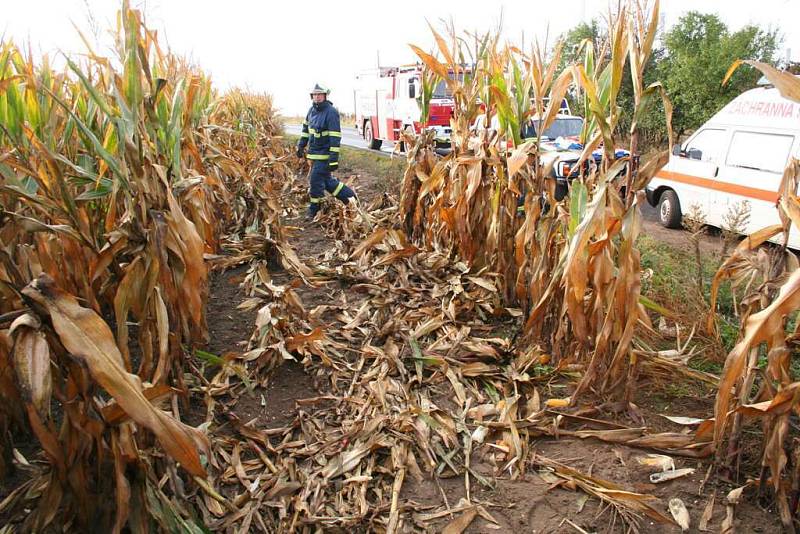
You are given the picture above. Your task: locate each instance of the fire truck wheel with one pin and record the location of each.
(374, 144)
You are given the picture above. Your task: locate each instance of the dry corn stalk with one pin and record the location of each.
(572, 266)
(764, 327)
(115, 181)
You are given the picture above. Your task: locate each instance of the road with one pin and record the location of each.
(351, 138)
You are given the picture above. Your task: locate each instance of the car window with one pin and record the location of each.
(709, 142)
(759, 151)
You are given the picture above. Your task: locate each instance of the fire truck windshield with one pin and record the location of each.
(441, 90)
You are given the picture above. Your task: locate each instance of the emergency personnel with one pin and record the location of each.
(322, 134)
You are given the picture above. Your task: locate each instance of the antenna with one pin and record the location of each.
(378, 52)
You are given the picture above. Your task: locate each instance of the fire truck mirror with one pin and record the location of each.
(412, 89)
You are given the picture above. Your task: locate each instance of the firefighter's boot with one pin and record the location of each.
(343, 193)
(313, 208)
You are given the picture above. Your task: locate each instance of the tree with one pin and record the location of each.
(652, 125)
(572, 40)
(691, 63)
(571, 52)
(699, 51)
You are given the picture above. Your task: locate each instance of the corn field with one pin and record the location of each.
(573, 268)
(128, 183)
(117, 178)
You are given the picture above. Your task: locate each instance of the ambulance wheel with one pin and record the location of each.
(374, 144)
(669, 209)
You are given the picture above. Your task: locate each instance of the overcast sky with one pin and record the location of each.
(285, 47)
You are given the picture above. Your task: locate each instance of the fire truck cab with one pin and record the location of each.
(387, 102)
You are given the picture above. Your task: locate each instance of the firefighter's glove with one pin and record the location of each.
(300, 152)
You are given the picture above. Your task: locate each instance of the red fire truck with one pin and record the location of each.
(386, 104)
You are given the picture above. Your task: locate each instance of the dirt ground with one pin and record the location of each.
(710, 241)
(532, 503)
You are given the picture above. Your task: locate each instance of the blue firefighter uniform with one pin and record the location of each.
(322, 134)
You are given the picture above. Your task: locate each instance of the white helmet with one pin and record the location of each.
(320, 89)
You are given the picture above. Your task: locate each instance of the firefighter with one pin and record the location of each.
(322, 134)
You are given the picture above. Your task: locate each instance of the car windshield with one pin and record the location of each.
(561, 127)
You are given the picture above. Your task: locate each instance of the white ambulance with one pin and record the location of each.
(738, 156)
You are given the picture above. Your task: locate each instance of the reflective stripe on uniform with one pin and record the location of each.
(315, 200)
(318, 156)
(332, 134)
(335, 149)
(520, 208)
(338, 189)
(333, 164)
(304, 134)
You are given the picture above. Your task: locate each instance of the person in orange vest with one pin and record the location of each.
(322, 135)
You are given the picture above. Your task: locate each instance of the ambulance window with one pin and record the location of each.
(760, 151)
(709, 143)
